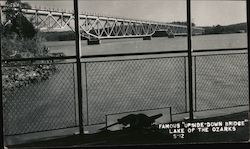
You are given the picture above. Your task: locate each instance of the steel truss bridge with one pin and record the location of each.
(96, 28)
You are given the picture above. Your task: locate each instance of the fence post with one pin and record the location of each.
(248, 39)
(1, 91)
(195, 85)
(78, 65)
(190, 77)
(87, 95)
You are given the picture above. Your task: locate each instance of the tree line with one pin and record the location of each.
(219, 29)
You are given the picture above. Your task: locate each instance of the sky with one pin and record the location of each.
(204, 12)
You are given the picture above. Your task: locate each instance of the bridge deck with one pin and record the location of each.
(99, 27)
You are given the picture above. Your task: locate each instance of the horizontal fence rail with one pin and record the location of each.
(38, 59)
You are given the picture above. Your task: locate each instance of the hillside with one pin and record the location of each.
(218, 29)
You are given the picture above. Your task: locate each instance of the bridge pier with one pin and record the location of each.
(93, 41)
(171, 35)
(147, 38)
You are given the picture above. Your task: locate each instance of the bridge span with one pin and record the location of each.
(95, 27)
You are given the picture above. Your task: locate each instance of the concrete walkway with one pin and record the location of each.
(47, 135)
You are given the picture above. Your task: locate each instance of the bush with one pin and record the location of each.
(23, 48)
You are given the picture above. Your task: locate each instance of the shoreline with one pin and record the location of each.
(18, 77)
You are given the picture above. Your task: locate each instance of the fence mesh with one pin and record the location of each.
(121, 86)
(221, 81)
(115, 86)
(33, 103)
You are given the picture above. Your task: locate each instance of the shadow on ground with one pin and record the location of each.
(150, 136)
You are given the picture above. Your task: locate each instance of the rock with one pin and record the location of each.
(18, 77)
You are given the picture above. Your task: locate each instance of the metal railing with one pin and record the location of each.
(122, 83)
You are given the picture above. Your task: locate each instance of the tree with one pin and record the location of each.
(17, 3)
(22, 27)
(20, 38)
(182, 23)
(19, 24)
(10, 12)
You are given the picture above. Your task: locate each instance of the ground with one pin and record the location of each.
(133, 137)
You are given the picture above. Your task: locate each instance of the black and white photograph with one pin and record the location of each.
(120, 73)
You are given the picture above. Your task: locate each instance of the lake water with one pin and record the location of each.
(156, 44)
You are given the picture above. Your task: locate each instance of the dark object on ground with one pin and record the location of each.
(121, 137)
(136, 121)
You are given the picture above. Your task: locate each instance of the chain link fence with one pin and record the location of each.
(118, 85)
(128, 85)
(221, 81)
(38, 97)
